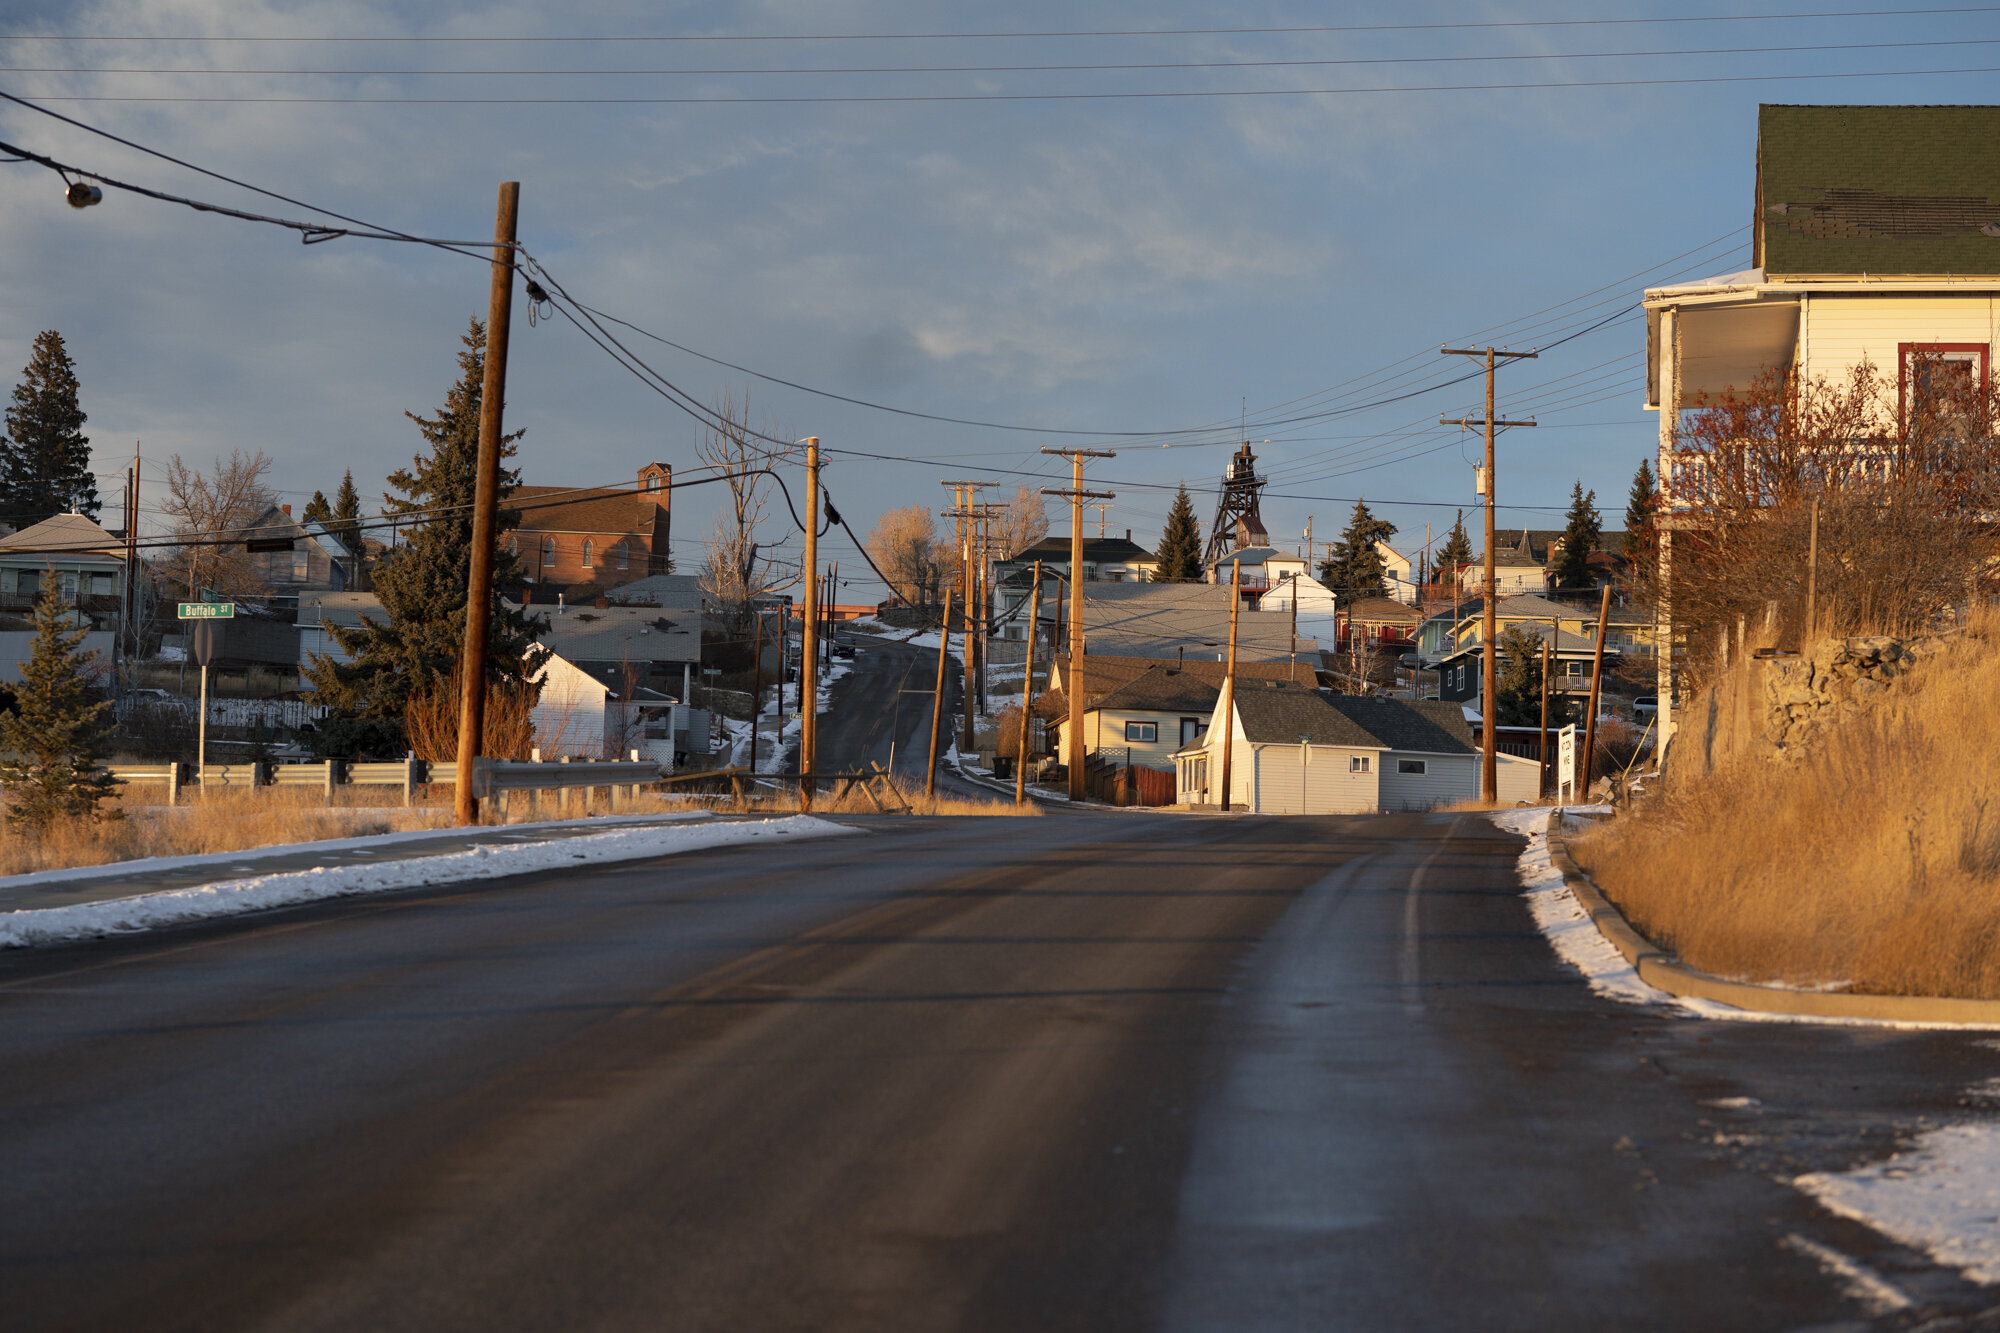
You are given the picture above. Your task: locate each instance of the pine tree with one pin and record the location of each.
(1579, 539)
(49, 748)
(1641, 507)
(1178, 559)
(1355, 568)
(317, 510)
(1456, 553)
(346, 517)
(1519, 683)
(44, 455)
(423, 587)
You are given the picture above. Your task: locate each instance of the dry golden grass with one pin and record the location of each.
(213, 822)
(1873, 863)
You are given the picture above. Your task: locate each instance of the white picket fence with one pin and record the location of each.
(288, 713)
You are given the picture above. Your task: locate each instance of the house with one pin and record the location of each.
(1105, 560)
(587, 538)
(84, 563)
(592, 710)
(290, 557)
(1299, 751)
(1571, 659)
(1874, 240)
(1106, 676)
(1519, 566)
(1627, 631)
(345, 609)
(645, 646)
(1145, 719)
(1293, 586)
(1246, 570)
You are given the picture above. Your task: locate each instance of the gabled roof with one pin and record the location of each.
(1279, 712)
(1851, 190)
(1382, 611)
(1424, 725)
(1165, 689)
(1565, 644)
(621, 633)
(1246, 556)
(1096, 551)
(71, 534)
(1102, 675)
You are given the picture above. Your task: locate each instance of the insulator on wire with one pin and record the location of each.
(82, 194)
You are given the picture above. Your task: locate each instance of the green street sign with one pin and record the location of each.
(208, 610)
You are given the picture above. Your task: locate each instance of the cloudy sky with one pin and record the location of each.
(966, 211)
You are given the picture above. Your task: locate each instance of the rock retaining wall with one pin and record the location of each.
(1806, 695)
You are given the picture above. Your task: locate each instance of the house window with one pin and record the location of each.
(103, 585)
(1417, 766)
(1941, 376)
(624, 556)
(28, 583)
(653, 482)
(1142, 731)
(1357, 763)
(513, 546)
(1191, 729)
(301, 566)
(589, 553)
(66, 584)
(548, 551)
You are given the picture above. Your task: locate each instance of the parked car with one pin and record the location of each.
(843, 650)
(1645, 707)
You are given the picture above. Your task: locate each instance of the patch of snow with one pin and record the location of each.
(1942, 1196)
(1561, 917)
(52, 925)
(1861, 1283)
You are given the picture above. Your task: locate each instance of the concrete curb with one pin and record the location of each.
(1658, 968)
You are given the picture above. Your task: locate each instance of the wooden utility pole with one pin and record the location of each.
(1073, 687)
(1489, 674)
(1596, 685)
(1812, 577)
(485, 503)
(937, 696)
(809, 632)
(1542, 750)
(1028, 691)
(966, 513)
(1228, 710)
(756, 685)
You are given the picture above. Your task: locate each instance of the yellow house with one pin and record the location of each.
(1875, 237)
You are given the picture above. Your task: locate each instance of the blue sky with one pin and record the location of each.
(1087, 265)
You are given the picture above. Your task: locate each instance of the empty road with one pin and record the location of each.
(1089, 1072)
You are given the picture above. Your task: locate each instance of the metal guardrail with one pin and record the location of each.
(492, 777)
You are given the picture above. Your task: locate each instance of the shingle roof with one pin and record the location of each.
(1878, 190)
(618, 633)
(1166, 619)
(1424, 725)
(1163, 688)
(64, 533)
(1280, 712)
(1107, 673)
(1381, 611)
(1096, 551)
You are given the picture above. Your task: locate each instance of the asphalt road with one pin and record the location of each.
(881, 710)
(1092, 1072)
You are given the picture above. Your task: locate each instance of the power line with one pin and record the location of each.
(1083, 33)
(1185, 94)
(1072, 68)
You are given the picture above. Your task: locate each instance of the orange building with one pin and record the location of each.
(571, 536)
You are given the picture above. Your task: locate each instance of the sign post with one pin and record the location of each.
(202, 641)
(1566, 762)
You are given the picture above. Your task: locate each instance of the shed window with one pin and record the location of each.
(589, 553)
(1142, 731)
(1357, 763)
(1416, 766)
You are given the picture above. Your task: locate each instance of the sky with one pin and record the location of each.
(906, 204)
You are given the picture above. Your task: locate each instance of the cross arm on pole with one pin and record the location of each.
(1481, 422)
(1487, 351)
(1080, 495)
(1080, 453)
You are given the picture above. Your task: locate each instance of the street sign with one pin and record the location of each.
(208, 610)
(1566, 762)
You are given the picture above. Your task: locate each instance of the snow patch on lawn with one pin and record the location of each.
(1942, 1197)
(1561, 917)
(54, 925)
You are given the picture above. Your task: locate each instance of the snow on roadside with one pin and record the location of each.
(1561, 917)
(148, 865)
(53, 925)
(1942, 1197)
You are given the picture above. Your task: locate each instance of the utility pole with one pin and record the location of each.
(1489, 674)
(1103, 512)
(1228, 710)
(1542, 750)
(132, 560)
(1812, 580)
(1028, 692)
(1076, 495)
(485, 501)
(809, 643)
(756, 687)
(965, 513)
(1596, 684)
(937, 696)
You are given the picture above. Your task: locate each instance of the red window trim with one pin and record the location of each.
(1983, 351)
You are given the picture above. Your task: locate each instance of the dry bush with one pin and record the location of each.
(1873, 861)
(430, 720)
(1903, 479)
(209, 822)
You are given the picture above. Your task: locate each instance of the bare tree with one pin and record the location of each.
(733, 573)
(1020, 523)
(211, 513)
(1904, 475)
(904, 545)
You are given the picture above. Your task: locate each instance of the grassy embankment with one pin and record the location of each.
(1872, 864)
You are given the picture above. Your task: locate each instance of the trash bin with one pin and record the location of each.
(1003, 765)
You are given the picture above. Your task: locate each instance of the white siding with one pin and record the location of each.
(1446, 778)
(569, 716)
(1520, 780)
(17, 646)
(1105, 730)
(1842, 330)
(1321, 783)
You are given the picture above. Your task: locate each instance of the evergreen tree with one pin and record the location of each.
(1456, 553)
(44, 455)
(423, 588)
(1355, 568)
(1179, 558)
(346, 517)
(1579, 539)
(317, 510)
(49, 748)
(1519, 683)
(1641, 507)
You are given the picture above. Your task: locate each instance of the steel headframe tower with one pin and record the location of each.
(1489, 676)
(1073, 687)
(1241, 488)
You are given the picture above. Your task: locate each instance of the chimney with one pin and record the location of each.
(287, 509)
(1128, 534)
